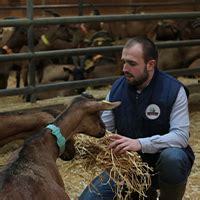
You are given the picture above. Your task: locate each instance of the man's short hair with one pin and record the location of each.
(149, 49)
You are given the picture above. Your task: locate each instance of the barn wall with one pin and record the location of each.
(110, 10)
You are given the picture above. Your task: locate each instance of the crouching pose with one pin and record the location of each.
(152, 120)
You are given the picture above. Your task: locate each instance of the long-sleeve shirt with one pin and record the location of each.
(178, 134)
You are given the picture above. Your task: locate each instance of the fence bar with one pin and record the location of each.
(58, 86)
(82, 83)
(80, 8)
(82, 51)
(98, 5)
(64, 20)
(31, 65)
(184, 71)
(99, 18)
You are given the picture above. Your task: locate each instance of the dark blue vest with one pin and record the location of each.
(134, 118)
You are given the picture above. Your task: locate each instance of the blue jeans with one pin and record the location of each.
(173, 166)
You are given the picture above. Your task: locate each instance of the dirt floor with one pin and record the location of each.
(75, 178)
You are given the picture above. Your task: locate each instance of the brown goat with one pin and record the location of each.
(34, 174)
(21, 125)
(177, 58)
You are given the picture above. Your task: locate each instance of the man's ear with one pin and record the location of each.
(151, 65)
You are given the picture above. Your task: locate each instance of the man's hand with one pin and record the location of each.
(121, 144)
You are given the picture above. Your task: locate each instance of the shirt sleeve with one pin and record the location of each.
(108, 118)
(179, 128)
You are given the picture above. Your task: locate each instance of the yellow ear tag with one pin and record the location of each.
(88, 64)
(45, 40)
(97, 57)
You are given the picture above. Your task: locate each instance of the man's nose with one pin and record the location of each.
(125, 67)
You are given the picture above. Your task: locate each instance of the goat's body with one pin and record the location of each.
(34, 183)
(21, 125)
(34, 174)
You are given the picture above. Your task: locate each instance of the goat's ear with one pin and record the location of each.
(88, 66)
(105, 105)
(110, 105)
(66, 69)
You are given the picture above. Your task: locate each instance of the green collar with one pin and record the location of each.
(60, 138)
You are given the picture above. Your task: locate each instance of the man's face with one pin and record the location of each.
(134, 67)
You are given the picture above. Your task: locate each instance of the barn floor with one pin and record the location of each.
(74, 175)
(75, 178)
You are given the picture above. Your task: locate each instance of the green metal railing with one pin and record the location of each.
(30, 22)
(105, 5)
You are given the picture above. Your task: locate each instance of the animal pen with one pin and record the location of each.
(30, 21)
(68, 170)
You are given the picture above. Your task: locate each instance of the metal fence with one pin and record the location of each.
(30, 22)
(105, 5)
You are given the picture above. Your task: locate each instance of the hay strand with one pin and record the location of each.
(127, 170)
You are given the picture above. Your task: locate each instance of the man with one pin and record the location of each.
(152, 120)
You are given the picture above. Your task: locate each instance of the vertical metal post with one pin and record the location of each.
(43, 3)
(31, 74)
(80, 8)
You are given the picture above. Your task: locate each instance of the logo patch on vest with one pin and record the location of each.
(152, 111)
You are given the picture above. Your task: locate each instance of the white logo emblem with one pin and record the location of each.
(152, 111)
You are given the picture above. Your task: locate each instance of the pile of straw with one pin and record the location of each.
(126, 170)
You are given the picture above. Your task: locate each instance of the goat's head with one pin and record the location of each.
(82, 116)
(167, 30)
(90, 110)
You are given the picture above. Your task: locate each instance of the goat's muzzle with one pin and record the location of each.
(101, 133)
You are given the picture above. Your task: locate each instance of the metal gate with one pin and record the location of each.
(32, 88)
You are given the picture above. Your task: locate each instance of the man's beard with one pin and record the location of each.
(140, 80)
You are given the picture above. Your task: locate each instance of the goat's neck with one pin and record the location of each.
(43, 145)
(68, 123)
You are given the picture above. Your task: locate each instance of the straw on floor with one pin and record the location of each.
(126, 170)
